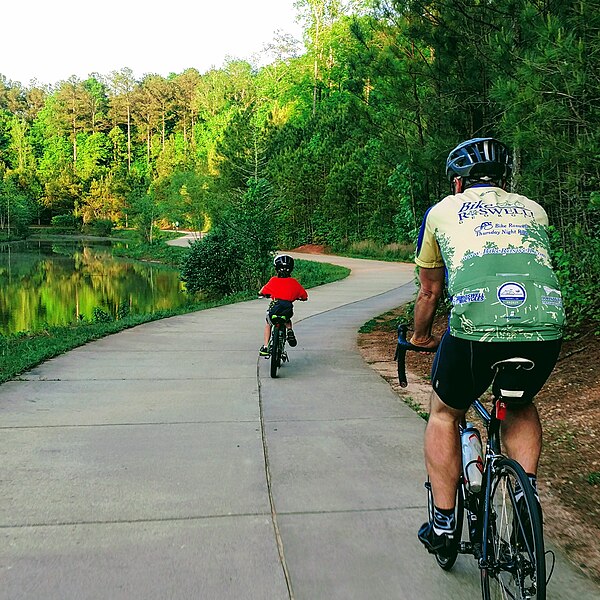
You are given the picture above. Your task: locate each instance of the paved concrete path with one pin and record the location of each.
(163, 462)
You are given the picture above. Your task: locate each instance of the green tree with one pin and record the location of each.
(121, 85)
(100, 203)
(318, 15)
(94, 155)
(95, 99)
(16, 209)
(70, 111)
(185, 105)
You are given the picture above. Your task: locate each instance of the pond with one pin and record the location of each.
(48, 283)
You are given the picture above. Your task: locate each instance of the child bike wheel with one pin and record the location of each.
(275, 351)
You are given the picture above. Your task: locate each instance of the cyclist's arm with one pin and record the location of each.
(432, 286)
(301, 293)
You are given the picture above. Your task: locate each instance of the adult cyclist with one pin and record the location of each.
(490, 249)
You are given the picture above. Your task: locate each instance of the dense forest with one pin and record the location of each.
(347, 133)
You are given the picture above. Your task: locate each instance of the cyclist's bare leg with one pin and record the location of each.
(267, 334)
(522, 436)
(288, 325)
(442, 451)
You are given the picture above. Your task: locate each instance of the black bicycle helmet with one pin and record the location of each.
(284, 264)
(478, 158)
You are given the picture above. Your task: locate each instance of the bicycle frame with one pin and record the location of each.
(282, 328)
(478, 531)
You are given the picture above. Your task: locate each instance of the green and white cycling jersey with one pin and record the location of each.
(495, 249)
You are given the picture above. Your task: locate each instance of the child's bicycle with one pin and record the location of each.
(277, 343)
(503, 516)
(279, 317)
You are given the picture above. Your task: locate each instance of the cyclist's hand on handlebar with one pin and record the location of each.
(416, 344)
(430, 343)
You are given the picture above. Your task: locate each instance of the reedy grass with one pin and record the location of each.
(378, 251)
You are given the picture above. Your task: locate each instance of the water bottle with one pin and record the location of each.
(472, 459)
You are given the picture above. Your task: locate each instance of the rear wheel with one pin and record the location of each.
(515, 565)
(275, 350)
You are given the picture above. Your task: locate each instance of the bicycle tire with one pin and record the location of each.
(275, 351)
(515, 564)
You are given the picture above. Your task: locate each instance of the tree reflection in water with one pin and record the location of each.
(44, 283)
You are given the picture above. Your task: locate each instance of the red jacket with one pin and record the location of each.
(284, 288)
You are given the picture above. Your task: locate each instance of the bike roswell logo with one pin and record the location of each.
(480, 208)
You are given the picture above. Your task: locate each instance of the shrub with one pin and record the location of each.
(66, 223)
(101, 316)
(236, 255)
(100, 227)
(211, 265)
(576, 258)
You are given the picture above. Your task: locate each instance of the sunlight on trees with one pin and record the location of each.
(351, 132)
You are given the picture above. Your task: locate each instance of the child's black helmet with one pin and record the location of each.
(479, 157)
(284, 264)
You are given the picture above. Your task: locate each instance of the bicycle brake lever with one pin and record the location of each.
(400, 355)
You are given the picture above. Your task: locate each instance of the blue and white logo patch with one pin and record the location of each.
(512, 294)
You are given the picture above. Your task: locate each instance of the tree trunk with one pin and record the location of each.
(128, 138)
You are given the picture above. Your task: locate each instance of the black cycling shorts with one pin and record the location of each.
(462, 369)
(283, 308)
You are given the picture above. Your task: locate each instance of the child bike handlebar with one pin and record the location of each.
(269, 295)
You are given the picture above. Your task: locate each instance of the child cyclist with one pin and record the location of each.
(283, 291)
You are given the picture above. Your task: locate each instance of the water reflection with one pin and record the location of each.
(46, 283)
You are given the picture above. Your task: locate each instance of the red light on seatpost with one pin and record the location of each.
(500, 410)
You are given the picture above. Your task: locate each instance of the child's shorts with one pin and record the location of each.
(282, 308)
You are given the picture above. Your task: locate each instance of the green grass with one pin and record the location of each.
(594, 478)
(416, 407)
(311, 274)
(25, 350)
(157, 252)
(386, 322)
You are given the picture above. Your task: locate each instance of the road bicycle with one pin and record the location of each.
(502, 516)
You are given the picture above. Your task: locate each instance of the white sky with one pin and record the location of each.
(50, 40)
